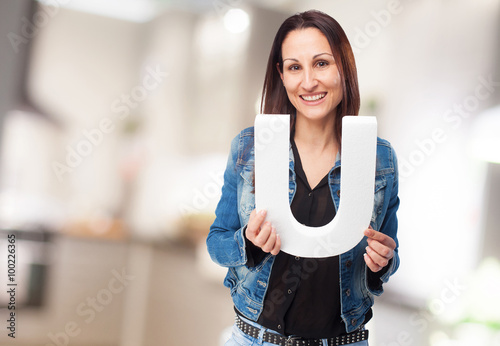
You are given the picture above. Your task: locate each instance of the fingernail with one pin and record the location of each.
(368, 249)
(368, 232)
(262, 212)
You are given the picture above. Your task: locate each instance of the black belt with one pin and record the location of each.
(277, 339)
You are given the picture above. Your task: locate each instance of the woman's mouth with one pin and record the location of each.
(311, 98)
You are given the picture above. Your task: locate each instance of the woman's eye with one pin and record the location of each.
(322, 63)
(294, 68)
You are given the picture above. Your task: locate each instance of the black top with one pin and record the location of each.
(303, 296)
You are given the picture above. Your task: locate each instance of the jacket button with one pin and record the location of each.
(354, 321)
(348, 264)
(338, 193)
(348, 292)
(279, 326)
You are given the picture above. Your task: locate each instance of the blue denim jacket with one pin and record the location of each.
(226, 239)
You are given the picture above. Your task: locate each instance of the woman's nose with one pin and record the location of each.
(309, 81)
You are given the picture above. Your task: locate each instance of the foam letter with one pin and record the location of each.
(357, 181)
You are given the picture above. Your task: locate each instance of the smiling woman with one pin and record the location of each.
(310, 75)
(312, 82)
(331, 47)
(281, 299)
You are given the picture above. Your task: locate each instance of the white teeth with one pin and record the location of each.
(313, 98)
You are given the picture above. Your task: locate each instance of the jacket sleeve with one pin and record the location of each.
(225, 241)
(389, 226)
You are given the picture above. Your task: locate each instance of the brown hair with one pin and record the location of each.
(274, 96)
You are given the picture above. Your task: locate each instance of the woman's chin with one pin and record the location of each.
(315, 115)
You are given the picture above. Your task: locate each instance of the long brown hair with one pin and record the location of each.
(274, 96)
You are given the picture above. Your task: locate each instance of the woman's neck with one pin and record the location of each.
(315, 135)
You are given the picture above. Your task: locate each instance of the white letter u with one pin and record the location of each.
(357, 180)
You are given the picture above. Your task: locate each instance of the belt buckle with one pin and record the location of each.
(289, 341)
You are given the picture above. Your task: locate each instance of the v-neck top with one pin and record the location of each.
(303, 296)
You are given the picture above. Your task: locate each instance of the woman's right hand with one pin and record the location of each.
(262, 234)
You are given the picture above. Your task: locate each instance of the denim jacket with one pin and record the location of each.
(248, 284)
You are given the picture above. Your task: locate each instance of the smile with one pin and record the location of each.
(313, 97)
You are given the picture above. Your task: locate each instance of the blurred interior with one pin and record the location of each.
(115, 123)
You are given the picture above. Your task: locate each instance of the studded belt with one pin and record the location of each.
(277, 339)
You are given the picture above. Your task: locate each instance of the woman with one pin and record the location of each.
(280, 299)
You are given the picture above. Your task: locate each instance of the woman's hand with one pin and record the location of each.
(379, 251)
(262, 234)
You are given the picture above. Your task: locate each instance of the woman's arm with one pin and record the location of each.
(382, 256)
(225, 241)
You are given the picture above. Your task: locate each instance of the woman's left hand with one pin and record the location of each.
(379, 251)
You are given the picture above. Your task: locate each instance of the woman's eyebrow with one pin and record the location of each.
(314, 57)
(318, 55)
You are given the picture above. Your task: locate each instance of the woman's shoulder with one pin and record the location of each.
(383, 142)
(248, 132)
(244, 134)
(243, 139)
(386, 156)
(242, 145)
(384, 145)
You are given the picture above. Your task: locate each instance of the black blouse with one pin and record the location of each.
(303, 296)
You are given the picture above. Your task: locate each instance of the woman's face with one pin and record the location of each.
(310, 74)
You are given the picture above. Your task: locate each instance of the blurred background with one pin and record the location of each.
(115, 123)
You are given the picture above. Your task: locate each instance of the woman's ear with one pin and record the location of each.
(279, 70)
